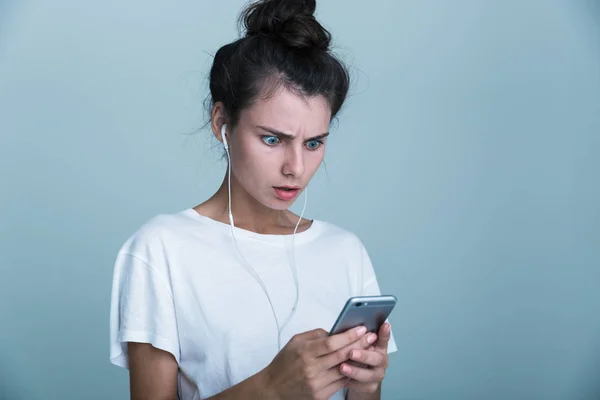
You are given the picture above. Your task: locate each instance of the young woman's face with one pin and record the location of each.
(279, 143)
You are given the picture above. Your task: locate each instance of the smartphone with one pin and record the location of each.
(369, 311)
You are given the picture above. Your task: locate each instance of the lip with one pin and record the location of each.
(287, 187)
(286, 195)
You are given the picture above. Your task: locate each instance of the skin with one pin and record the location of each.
(258, 166)
(312, 365)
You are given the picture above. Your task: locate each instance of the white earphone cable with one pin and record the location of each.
(247, 264)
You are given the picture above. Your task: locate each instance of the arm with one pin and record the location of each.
(153, 375)
(253, 388)
(353, 395)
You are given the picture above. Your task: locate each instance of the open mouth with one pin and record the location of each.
(286, 192)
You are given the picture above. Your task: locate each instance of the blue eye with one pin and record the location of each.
(270, 140)
(313, 144)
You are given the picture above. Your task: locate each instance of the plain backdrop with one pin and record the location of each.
(467, 159)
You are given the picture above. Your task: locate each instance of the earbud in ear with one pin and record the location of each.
(224, 136)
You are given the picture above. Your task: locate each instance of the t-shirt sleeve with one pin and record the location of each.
(142, 309)
(370, 287)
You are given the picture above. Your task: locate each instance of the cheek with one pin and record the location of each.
(253, 166)
(313, 162)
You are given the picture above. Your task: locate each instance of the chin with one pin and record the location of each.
(278, 205)
(275, 203)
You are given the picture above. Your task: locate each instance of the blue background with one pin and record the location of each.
(467, 159)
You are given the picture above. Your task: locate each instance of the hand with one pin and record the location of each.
(375, 358)
(308, 366)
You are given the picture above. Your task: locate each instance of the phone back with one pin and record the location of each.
(370, 311)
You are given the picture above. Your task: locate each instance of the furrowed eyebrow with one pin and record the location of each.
(280, 134)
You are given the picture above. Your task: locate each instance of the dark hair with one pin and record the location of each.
(283, 45)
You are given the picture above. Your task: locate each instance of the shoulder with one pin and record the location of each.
(340, 235)
(154, 234)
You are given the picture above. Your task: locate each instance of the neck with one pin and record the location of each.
(247, 212)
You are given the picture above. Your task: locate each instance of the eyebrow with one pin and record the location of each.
(287, 135)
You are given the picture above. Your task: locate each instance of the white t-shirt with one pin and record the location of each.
(180, 285)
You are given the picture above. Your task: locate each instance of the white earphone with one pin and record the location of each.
(246, 263)
(224, 136)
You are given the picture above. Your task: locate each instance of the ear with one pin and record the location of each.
(218, 119)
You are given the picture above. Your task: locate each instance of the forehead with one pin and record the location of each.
(289, 112)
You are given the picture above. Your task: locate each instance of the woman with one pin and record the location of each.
(205, 305)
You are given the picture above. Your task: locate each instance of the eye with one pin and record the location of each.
(314, 144)
(270, 140)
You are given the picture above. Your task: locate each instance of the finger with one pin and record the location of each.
(369, 358)
(385, 332)
(362, 374)
(336, 358)
(333, 387)
(311, 335)
(328, 377)
(356, 364)
(330, 344)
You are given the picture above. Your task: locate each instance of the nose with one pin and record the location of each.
(293, 163)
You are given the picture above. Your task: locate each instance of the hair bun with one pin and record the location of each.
(291, 21)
